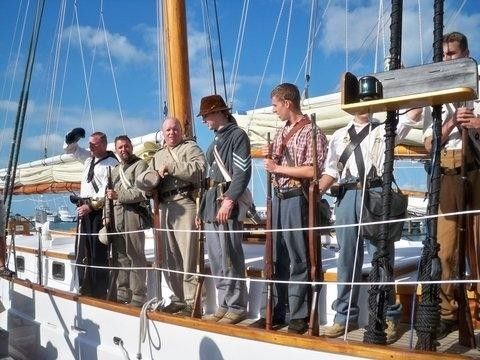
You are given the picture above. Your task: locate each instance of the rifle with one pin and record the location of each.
(110, 226)
(157, 241)
(85, 288)
(315, 256)
(269, 248)
(466, 335)
(197, 303)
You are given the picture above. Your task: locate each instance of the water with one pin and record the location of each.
(63, 225)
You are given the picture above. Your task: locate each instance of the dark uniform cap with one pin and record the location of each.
(148, 180)
(212, 103)
(74, 135)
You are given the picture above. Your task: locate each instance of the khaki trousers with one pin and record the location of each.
(180, 250)
(450, 198)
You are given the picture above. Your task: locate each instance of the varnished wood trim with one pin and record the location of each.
(352, 348)
(48, 253)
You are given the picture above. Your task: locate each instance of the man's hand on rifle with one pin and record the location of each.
(162, 171)
(198, 222)
(83, 210)
(466, 118)
(270, 165)
(267, 150)
(225, 210)
(111, 194)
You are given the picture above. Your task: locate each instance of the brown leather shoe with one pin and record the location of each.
(173, 307)
(337, 330)
(233, 318)
(262, 323)
(298, 326)
(392, 331)
(446, 327)
(217, 315)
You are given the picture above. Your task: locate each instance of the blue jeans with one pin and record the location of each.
(348, 212)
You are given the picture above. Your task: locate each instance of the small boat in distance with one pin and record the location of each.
(65, 215)
(43, 214)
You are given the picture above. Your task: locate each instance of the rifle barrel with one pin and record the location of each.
(269, 248)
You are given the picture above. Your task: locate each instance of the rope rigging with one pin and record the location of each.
(111, 68)
(86, 83)
(284, 59)
(209, 50)
(53, 82)
(162, 104)
(22, 109)
(382, 271)
(428, 313)
(17, 57)
(220, 49)
(238, 52)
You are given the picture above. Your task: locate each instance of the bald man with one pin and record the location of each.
(181, 165)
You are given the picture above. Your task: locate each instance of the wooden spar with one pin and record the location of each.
(176, 61)
(46, 188)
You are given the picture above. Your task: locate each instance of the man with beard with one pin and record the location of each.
(131, 216)
(90, 251)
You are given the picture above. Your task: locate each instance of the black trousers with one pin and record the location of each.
(90, 251)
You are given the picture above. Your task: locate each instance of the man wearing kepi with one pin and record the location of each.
(455, 118)
(180, 165)
(230, 169)
(131, 216)
(291, 163)
(90, 251)
(355, 151)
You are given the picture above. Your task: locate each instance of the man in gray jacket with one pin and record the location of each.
(180, 165)
(220, 211)
(131, 216)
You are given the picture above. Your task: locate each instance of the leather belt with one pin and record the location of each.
(457, 170)
(177, 191)
(210, 183)
(339, 190)
(287, 193)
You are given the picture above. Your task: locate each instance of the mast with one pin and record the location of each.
(176, 61)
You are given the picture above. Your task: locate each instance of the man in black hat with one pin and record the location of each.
(228, 157)
(92, 282)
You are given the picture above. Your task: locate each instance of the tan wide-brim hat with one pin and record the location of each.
(212, 103)
(102, 236)
(148, 180)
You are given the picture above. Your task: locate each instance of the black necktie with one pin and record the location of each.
(90, 170)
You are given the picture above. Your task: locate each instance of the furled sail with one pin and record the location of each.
(63, 172)
(330, 117)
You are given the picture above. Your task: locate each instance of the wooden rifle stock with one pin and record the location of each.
(157, 237)
(112, 287)
(465, 332)
(269, 249)
(315, 256)
(197, 303)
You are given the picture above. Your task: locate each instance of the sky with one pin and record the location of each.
(273, 50)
